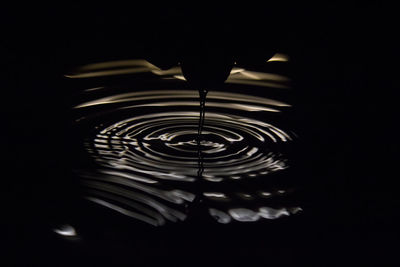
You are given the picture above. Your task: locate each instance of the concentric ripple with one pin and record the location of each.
(164, 145)
(145, 146)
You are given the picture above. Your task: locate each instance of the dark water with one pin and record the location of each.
(156, 159)
(136, 183)
(273, 180)
(340, 173)
(147, 178)
(138, 187)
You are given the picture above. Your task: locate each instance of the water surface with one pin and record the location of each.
(139, 127)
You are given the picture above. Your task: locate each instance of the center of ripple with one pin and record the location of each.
(233, 146)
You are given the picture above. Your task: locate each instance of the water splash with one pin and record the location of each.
(156, 155)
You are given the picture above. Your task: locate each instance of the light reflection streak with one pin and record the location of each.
(142, 209)
(253, 75)
(257, 83)
(94, 89)
(166, 195)
(248, 215)
(124, 211)
(270, 213)
(245, 196)
(118, 64)
(236, 70)
(107, 73)
(279, 57)
(169, 213)
(66, 230)
(124, 67)
(181, 94)
(171, 176)
(172, 71)
(244, 215)
(214, 195)
(180, 77)
(209, 104)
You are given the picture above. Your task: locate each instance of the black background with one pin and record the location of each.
(344, 66)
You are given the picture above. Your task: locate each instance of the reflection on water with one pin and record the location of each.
(279, 57)
(66, 230)
(237, 76)
(145, 146)
(248, 215)
(240, 101)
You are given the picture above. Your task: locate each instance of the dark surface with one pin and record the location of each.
(340, 60)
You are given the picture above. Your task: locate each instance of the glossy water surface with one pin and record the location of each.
(149, 163)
